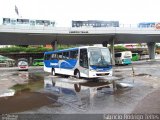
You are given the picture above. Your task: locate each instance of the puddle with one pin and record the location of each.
(15, 74)
(24, 95)
(143, 74)
(35, 77)
(77, 96)
(23, 101)
(121, 77)
(58, 92)
(31, 85)
(26, 81)
(117, 71)
(82, 96)
(7, 93)
(121, 85)
(28, 76)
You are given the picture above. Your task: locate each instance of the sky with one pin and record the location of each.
(64, 11)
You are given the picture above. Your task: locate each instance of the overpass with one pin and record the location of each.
(31, 35)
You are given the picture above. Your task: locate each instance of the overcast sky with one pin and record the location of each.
(64, 11)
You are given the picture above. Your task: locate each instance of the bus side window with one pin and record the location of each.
(65, 55)
(74, 54)
(53, 56)
(83, 58)
(118, 55)
(59, 56)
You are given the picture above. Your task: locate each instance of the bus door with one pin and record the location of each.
(118, 58)
(83, 62)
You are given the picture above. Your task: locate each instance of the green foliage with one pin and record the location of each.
(29, 49)
(24, 49)
(19, 49)
(60, 47)
(11, 49)
(120, 48)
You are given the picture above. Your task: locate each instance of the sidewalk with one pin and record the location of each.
(149, 104)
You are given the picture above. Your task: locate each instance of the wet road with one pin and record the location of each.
(34, 91)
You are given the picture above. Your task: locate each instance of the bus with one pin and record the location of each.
(135, 56)
(38, 62)
(123, 58)
(146, 24)
(87, 61)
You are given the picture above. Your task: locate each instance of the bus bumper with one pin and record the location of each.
(94, 74)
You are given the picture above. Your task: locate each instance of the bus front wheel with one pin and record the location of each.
(77, 74)
(53, 72)
(77, 87)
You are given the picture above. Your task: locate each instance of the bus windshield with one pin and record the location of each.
(99, 57)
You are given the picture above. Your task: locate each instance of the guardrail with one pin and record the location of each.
(124, 28)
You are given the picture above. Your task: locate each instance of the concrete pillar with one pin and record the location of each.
(112, 51)
(54, 44)
(30, 60)
(151, 49)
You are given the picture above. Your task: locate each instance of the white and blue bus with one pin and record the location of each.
(87, 61)
(123, 58)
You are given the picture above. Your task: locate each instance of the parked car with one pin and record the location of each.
(23, 64)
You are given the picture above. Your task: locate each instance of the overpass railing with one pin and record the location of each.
(123, 28)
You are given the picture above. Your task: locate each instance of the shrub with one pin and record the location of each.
(23, 49)
(120, 48)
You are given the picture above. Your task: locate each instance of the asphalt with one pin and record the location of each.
(143, 97)
(149, 104)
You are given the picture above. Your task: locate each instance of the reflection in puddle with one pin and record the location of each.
(28, 81)
(25, 95)
(30, 86)
(68, 93)
(123, 85)
(89, 95)
(23, 101)
(79, 96)
(7, 93)
(24, 75)
(143, 74)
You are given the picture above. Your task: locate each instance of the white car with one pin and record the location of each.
(23, 65)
